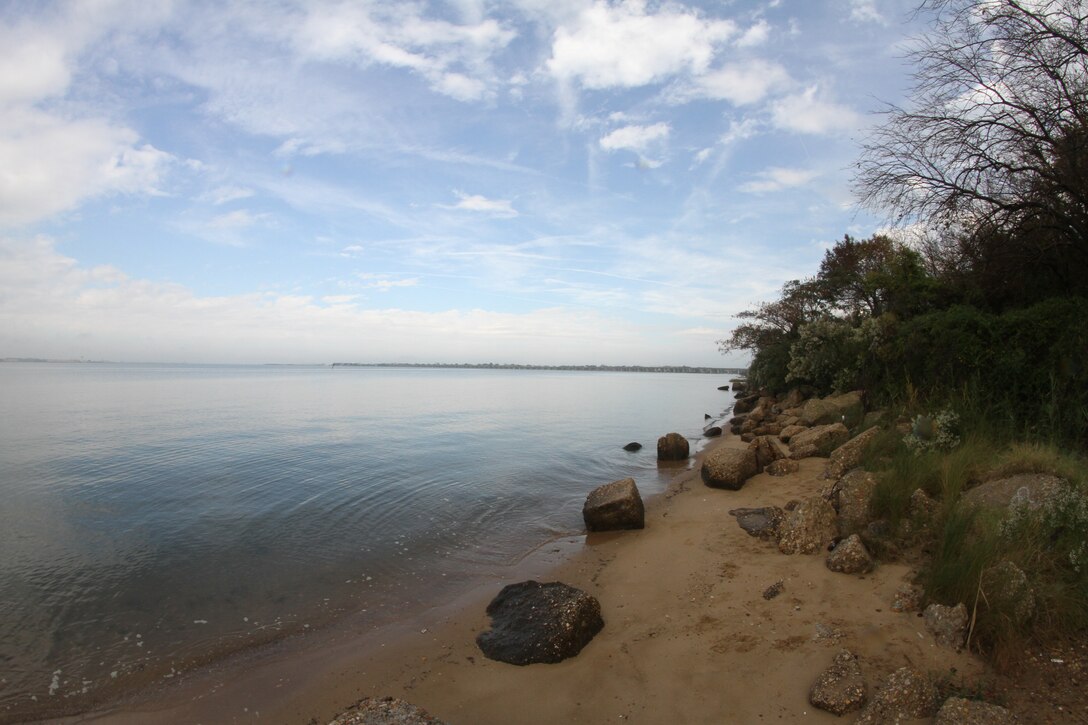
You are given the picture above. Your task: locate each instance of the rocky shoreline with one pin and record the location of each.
(753, 567)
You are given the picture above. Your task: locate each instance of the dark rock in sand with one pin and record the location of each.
(761, 522)
(712, 432)
(384, 711)
(533, 622)
(672, 447)
(774, 590)
(948, 625)
(632, 447)
(745, 404)
(766, 451)
(841, 687)
(615, 505)
(809, 528)
(782, 467)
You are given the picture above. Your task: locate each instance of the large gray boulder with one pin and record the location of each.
(1030, 490)
(851, 496)
(848, 456)
(384, 711)
(672, 447)
(846, 408)
(824, 438)
(762, 522)
(615, 505)
(729, 468)
(766, 451)
(533, 622)
(809, 528)
(841, 687)
(1009, 592)
(905, 696)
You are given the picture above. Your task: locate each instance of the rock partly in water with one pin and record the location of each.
(713, 431)
(384, 711)
(539, 622)
(825, 438)
(848, 455)
(762, 522)
(632, 447)
(809, 528)
(850, 557)
(906, 695)
(960, 711)
(948, 625)
(728, 468)
(672, 447)
(841, 687)
(782, 467)
(615, 505)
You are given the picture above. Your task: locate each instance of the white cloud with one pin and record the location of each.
(777, 179)
(755, 35)
(52, 164)
(622, 45)
(225, 194)
(865, 11)
(32, 65)
(805, 113)
(739, 83)
(453, 58)
(384, 282)
(635, 138)
(502, 208)
(237, 219)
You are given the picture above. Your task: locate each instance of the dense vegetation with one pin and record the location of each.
(973, 334)
(988, 305)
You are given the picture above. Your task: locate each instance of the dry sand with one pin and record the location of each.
(688, 637)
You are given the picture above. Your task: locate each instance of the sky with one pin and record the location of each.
(527, 181)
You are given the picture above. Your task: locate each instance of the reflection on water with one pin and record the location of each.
(154, 517)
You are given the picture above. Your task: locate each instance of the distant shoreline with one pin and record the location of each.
(575, 368)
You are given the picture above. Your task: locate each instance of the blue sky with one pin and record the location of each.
(530, 181)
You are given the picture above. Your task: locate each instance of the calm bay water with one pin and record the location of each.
(156, 517)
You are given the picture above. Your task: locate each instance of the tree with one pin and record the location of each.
(992, 147)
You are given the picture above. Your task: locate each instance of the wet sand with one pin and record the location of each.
(688, 637)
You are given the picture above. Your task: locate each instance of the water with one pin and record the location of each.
(154, 518)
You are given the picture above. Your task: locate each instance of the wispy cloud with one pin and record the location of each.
(778, 179)
(502, 208)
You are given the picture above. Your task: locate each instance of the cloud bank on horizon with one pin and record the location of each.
(570, 181)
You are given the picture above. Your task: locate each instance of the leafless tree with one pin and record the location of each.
(994, 137)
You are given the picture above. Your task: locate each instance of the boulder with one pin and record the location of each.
(908, 598)
(1026, 489)
(846, 408)
(922, 507)
(794, 399)
(851, 497)
(729, 468)
(615, 505)
(906, 695)
(948, 625)
(841, 687)
(825, 438)
(848, 455)
(632, 447)
(782, 467)
(672, 447)
(1008, 592)
(712, 432)
(850, 557)
(384, 711)
(960, 711)
(768, 429)
(809, 528)
(533, 622)
(740, 386)
(806, 451)
(745, 404)
(765, 450)
(791, 430)
(761, 522)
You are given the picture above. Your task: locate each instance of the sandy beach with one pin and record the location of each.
(688, 636)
